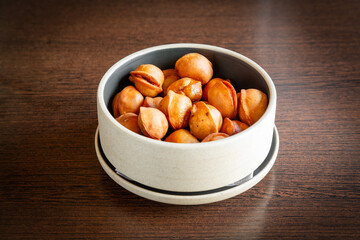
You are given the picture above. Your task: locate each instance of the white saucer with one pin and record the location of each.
(190, 198)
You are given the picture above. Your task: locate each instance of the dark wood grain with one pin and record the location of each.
(53, 55)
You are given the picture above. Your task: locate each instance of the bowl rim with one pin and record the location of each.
(271, 98)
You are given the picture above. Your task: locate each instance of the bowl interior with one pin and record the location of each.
(225, 66)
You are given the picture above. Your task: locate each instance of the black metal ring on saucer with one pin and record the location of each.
(195, 193)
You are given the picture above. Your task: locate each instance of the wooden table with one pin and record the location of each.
(53, 55)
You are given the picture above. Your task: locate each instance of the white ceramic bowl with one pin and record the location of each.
(186, 167)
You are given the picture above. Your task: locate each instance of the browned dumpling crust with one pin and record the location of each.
(223, 96)
(148, 79)
(204, 119)
(177, 109)
(231, 127)
(181, 136)
(214, 136)
(170, 76)
(152, 102)
(252, 105)
(187, 86)
(195, 66)
(152, 122)
(129, 100)
(130, 121)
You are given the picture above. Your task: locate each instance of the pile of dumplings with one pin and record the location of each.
(186, 104)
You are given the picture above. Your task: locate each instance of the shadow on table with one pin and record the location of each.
(240, 216)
